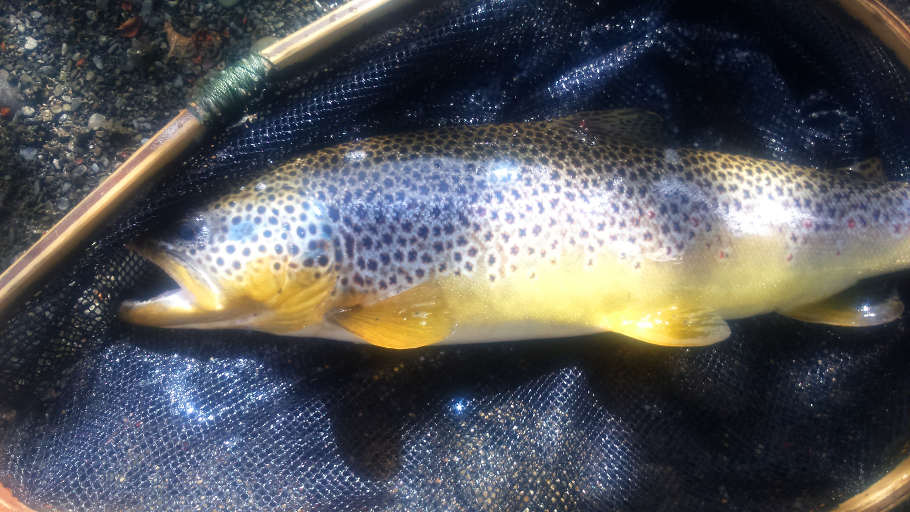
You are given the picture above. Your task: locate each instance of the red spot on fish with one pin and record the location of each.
(80, 62)
(695, 222)
(851, 223)
(721, 254)
(5, 111)
(790, 257)
(807, 224)
(126, 6)
(651, 214)
(582, 124)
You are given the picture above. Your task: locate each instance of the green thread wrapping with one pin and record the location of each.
(222, 97)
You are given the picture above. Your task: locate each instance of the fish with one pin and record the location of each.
(583, 224)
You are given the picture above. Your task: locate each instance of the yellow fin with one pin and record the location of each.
(855, 307)
(869, 169)
(632, 125)
(413, 318)
(289, 299)
(670, 326)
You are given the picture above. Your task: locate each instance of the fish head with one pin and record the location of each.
(238, 264)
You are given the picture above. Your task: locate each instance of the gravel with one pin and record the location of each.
(96, 121)
(80, 88)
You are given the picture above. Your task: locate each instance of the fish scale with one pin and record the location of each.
(571, 226)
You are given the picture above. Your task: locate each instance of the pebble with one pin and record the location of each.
(28, 154)
(96, 121)
(9, 95)
(68, 60)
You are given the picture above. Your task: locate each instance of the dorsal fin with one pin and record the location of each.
(629, 125)
(868, 169)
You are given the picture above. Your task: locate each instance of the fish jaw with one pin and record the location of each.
(268, 302)
(197, 302)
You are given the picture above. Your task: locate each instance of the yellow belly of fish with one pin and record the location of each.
(680, 302)
(571, 298)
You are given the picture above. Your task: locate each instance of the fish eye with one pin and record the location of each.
(187, 231)
(191, 230)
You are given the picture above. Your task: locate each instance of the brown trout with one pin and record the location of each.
(546, 229)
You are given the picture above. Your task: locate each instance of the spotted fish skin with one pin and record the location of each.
(541, 229)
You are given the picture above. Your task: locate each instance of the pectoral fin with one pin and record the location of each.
(671, 326)
(410, 319)
(855, 307)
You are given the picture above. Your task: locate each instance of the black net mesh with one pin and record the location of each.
(98, 415)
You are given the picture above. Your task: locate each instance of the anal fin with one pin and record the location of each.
(411, 319)
(672, 326)
(855, 307)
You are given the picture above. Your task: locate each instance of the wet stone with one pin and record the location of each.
(28, 154)
(96, 121)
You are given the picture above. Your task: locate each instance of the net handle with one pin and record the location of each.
(893, 489)
(887, 26)
(9, 503)
(220, 100)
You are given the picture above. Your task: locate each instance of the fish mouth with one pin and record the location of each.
(197, 301)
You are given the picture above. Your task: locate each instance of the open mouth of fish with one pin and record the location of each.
(195, 300)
